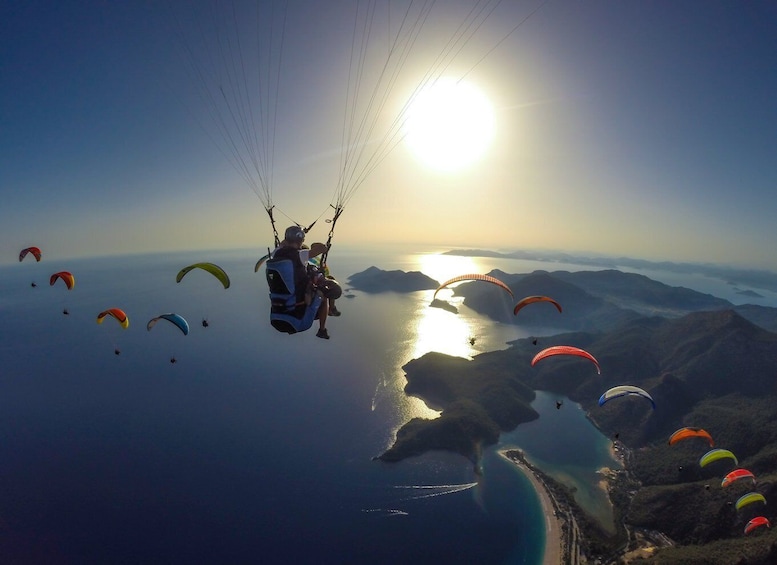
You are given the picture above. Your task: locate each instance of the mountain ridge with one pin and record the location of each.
(599, 300)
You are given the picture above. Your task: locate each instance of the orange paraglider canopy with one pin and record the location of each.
(474, 277)
(532, 300)
(117, 313)
(565, 350)
(685, 433)
(66, 277)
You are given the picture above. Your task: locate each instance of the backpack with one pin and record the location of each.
(288, 314)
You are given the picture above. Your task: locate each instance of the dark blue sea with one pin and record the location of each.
(255, 446)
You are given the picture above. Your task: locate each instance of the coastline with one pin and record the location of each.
(554, 523)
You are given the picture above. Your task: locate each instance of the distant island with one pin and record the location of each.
(376, 280)
(437, 303)
(706, 363)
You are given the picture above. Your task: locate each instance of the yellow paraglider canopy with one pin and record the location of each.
(213, 269)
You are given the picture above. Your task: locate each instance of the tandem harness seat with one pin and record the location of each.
(288, 311)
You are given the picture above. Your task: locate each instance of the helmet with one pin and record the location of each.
(294, 234)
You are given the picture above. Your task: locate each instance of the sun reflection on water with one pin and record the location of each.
(421, 329)
(442, 331)
(437, 329)
(442, 267)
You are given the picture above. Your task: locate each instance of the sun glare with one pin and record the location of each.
(450, 125)
(442, 267)
(437, 329)
(442, 332)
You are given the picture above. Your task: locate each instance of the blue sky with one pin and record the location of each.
(646, 129)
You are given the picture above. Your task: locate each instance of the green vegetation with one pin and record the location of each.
(476, 402)
(760, 549)
(462, 428)
(713, 370)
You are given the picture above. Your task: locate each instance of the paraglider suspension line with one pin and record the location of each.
(333, 221)
(272, 223)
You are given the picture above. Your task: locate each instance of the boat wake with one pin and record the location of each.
(385, 512)
(435, 490)
(381, 385)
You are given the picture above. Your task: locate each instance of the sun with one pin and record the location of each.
(450, 125)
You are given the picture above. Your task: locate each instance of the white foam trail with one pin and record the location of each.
(387, 512)
(464, 485)
(443, 489)
(381, 384)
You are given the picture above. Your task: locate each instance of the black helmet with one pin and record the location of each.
(294, 234)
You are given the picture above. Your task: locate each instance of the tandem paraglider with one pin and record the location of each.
(299, 291)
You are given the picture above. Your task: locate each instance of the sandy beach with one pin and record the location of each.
(553, 549)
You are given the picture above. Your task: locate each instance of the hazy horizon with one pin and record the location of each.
(546, 255)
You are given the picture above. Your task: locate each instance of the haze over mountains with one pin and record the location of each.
(591, 300)
(757, 278)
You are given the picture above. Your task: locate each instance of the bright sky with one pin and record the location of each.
(646, 129)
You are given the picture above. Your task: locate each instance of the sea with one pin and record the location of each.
(256, 446)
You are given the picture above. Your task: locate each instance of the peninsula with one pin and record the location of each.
(477, 402)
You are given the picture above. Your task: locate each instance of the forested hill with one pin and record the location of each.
(714, 370)
(680, 361)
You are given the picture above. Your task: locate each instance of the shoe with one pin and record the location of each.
(334, 312)
(323, 334)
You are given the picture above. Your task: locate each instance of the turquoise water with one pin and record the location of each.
(564, 444)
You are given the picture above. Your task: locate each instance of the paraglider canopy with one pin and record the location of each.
(34, 251)
(175, 319)
(625, 390)
(474, 277)
(749, 498)
(565, 350)
(261, 262)
(116, 313)
(211, 268)
(756, 523)
(715, 455)
(531, 300)
(66, 277)
(736, 475)
(685, 433)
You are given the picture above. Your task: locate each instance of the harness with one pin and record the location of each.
(288, 311)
